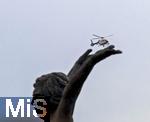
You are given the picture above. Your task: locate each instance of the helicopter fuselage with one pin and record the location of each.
(101, 42)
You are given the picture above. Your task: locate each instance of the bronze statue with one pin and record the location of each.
(61, 91)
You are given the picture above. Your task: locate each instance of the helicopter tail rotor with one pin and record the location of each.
(92, 44)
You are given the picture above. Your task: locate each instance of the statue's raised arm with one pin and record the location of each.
(61, 91)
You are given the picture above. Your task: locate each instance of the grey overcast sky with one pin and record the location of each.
(42, 36)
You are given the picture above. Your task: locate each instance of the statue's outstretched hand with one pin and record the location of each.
(78, 74)
(92, 59)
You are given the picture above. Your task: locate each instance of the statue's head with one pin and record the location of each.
(50, 88)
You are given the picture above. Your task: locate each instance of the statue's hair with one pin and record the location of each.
(50, 87)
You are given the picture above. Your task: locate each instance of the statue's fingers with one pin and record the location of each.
(116, 52)
(112, 50)
(104, 53)
(78, 63)
(99, 52)
(87, 52)
(110, 47)
(84, 56)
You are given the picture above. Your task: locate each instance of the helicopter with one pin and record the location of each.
(101, 40)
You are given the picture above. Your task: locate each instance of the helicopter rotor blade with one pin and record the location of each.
(96, 36)
(108, 35)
